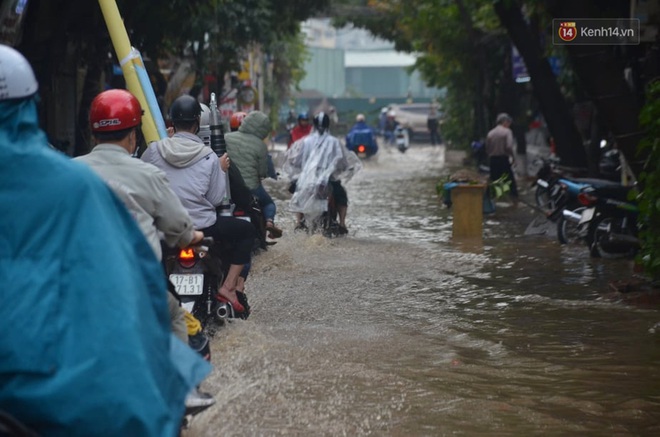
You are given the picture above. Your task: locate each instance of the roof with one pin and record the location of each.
(378, 58)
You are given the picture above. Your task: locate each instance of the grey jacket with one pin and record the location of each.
(146, 192)
(247, 149)
(194, 173)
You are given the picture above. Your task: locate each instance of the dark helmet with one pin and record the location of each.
(185, 108)
(321, 122)
(303, 116)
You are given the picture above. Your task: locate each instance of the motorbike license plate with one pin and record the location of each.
(362, 154)
(587, 215)
(244, 217)
(188, 285)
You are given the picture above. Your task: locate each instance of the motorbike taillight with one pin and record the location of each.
(587, 199)
(187, 257)
(361, 148)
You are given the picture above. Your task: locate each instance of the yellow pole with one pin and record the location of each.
(127, 59)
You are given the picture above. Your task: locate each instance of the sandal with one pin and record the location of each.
(273, 231)
(236, 305)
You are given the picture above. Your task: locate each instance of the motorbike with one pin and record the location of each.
(362, 143)
(326, 223)
(401, 139)
(608, 221)
(556, 191)
(196, 272)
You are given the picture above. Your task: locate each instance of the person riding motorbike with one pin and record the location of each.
(145, 191)
(84, 322)
(362, 134)
(301, 130)
(389, 128)
(234, 123)
(240, 193)
(317, 162)
(199, 178)
(249, 154)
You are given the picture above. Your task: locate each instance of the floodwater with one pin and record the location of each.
(397, 330)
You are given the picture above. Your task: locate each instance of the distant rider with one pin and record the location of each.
(362, 133)
(301, 130)
(390, 126)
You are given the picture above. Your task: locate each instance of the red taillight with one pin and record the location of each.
(187, 257)
(361, 148)
(587, 199)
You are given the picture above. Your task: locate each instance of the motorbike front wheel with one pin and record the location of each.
(543, 199)
(568, 231)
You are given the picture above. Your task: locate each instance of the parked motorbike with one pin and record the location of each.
(608, 222)
(548, 194)
(556, 191)
(197, 272)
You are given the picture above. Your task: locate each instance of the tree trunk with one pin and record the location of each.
(568, 140)
(601, 75)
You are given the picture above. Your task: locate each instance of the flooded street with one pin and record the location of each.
(397, 330)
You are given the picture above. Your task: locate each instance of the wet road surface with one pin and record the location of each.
(396, 330)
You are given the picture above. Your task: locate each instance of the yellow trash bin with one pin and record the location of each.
(468, 210)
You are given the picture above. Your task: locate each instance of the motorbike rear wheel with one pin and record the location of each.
(602, 228)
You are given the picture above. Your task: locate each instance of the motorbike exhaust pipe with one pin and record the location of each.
(622, 241)
(222, 311)
(571, 216)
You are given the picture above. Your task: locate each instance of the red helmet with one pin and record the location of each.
(236, 120)
(114, 110)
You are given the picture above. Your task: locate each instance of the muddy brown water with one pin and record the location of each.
(397, 330)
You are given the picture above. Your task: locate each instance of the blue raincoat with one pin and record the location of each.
(86, 346)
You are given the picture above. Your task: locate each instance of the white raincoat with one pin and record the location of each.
(312, 162)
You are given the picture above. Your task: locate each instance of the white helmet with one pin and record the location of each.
(16, 76)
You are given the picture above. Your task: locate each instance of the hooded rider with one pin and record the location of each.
(249, 153)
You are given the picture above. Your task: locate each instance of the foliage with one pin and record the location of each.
(649, 199)
(286, 70)
(500, 187)
(450, 36)
(218, 34)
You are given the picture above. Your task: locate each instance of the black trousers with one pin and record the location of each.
(235, 233)
(500, 165)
